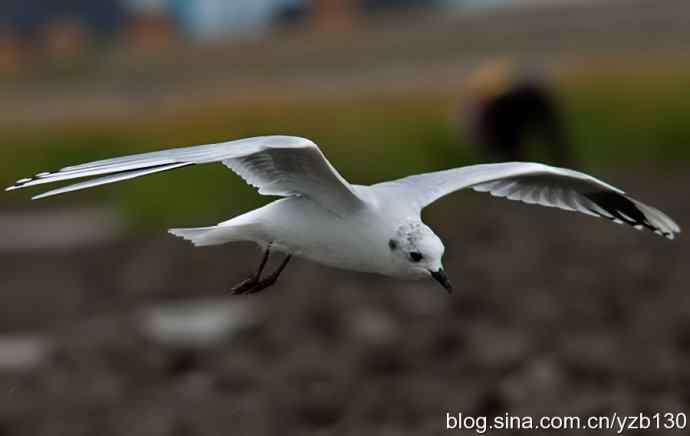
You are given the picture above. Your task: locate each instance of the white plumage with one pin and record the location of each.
(277, 165)
(325, 218)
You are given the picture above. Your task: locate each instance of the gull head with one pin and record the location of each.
(416, 252)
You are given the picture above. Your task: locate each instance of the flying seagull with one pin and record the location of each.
(376, 228)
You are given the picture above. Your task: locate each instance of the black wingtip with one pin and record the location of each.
(622, 210)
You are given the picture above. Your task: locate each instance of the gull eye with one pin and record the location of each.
(416, 256)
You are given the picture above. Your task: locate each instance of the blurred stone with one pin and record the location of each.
(24, 353)
(418, 299)
(448, 342)
(540, 378)
(321, 404)
(490, 403)
(194, 385)
(594, 355)
(596, 400)
(336, 352)
(26, 232)
(323, 318)
(384, 360)
(196, 324)
(655, 367)
(498, 349)
(374, 326)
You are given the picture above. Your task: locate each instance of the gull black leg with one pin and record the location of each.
(251, 282)
(271, 279)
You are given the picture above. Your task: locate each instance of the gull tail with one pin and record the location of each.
(245, 227)
(214, 235)
(196, 235)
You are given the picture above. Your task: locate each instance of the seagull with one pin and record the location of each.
(376, 228)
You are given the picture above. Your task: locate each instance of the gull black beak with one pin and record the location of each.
(442, 278)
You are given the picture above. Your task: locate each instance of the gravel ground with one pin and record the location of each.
(555, 314)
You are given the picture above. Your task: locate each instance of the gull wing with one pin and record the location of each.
(276, 165)
(535, 183)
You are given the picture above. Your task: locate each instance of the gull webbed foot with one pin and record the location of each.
(254, 284)
(244, 286)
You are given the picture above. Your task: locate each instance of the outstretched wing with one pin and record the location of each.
(276, 165)
(535, 183)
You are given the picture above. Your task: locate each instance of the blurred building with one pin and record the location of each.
(64, 39)
(378, 6)
(219, 19)
(32, 31)
(334, 14)
(329, 15)
(490, 4)
(10, 52)
(153, 22)
(37, 30)
(28, 18)
(149, 26)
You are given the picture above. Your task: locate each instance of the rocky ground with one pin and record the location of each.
(554, 314)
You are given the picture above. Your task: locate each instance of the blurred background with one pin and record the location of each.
(109, 326)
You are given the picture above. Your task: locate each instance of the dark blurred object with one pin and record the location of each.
(507, 111)
(292, 14)
(393, 5)
(29, 17)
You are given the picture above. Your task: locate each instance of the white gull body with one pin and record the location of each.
(375, 228)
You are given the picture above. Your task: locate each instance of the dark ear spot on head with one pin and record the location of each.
(392, 244)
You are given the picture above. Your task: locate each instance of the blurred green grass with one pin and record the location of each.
(614, 120)
(632, 119)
